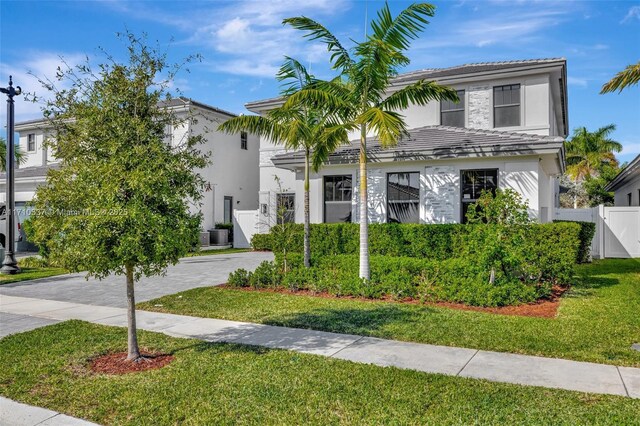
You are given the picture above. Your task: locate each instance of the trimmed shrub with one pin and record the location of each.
(262, 242)
(266, 275)
(587, 232)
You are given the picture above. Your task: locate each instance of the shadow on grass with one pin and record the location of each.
(352, 320)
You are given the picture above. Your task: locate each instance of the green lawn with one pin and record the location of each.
(209, 252)
(233, 384)
(598, 319)
(31, 274)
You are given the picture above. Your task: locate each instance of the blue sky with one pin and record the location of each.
(243, 42)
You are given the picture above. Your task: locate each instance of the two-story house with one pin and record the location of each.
(231, 177)
(507, 131)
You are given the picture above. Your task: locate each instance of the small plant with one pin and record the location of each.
(239, 278)
(265, 276)
(33, 262)
(506, 207)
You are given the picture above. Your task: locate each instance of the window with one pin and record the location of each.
(473, 183)
(337, 199)
(629, 199)
(228, 209)
(403, 197)
(243, 140)
(286, 208)
(451, 113)
(31, 142)
(506, 105)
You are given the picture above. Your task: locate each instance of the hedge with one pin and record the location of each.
(454, 266)
(452, 280)
(587, 232)
(434, 242)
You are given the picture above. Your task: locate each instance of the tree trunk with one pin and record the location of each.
(133, 352)
(364, 209)
(575, 201)
(307, 226)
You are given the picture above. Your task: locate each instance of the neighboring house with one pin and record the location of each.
(231, 177)
(626, 185)
(507, 132)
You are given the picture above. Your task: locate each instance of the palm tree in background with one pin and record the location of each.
(588, 152)
(310, 127)
(630, 76)
(363, 92)
(21, 158)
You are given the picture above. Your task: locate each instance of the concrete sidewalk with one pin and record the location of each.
(493, 366)
(17, 414)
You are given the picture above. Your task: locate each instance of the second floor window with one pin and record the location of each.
(506, 105)
(243, 140)
(31, 142)
(451, 113)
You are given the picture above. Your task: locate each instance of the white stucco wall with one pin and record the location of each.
(439, 187)
(632, 186)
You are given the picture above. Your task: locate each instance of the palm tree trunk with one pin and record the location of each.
(133, 351)
(307, 226)
(364, 210)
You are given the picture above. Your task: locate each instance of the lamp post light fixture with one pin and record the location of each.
(9, 264)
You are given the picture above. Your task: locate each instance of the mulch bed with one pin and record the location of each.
(116, 363)
(544, 308)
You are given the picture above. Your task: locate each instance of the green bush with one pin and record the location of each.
(239, 278)
(587, 232)
(266, 275)
(262, 242)
(33, 262)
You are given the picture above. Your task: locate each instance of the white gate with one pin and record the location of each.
(622, 231)
(617, 229)
(245, 225)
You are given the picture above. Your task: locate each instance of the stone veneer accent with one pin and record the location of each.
(440, 189)
(480, 107)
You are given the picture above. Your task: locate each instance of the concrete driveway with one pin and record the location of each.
(190, 273)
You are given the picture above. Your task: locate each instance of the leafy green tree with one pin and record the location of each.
(119, 203)
(310, 127)
(20, 156)
(630, 76)
(363, 93)
(589, 153)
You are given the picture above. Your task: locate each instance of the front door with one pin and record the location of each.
(228, 209)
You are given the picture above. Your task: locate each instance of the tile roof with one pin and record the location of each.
(458, 70)
(432, 142)
(30, 172)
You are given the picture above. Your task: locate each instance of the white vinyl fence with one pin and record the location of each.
(245, 225)
(617, 229)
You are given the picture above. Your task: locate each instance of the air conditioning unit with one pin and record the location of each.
(219, 237)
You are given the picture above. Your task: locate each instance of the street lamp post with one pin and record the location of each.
(9, 264)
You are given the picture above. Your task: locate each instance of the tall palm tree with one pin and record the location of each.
(20, 156)
(630, 76)
(310, 127)
(363, 91)
(588, 152)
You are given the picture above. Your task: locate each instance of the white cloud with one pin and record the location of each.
(26, 74)
(633, 13)
(243, 31)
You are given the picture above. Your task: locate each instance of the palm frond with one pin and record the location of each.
(294, 75)
(419, 93)
(405, 27)
(389, 126)
(628, 77)
(314, 31)
(252, 124)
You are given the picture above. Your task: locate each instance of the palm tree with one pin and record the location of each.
(20, 157)
(310, 127)
(362, 92)
(628, 77)
(588, 152)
